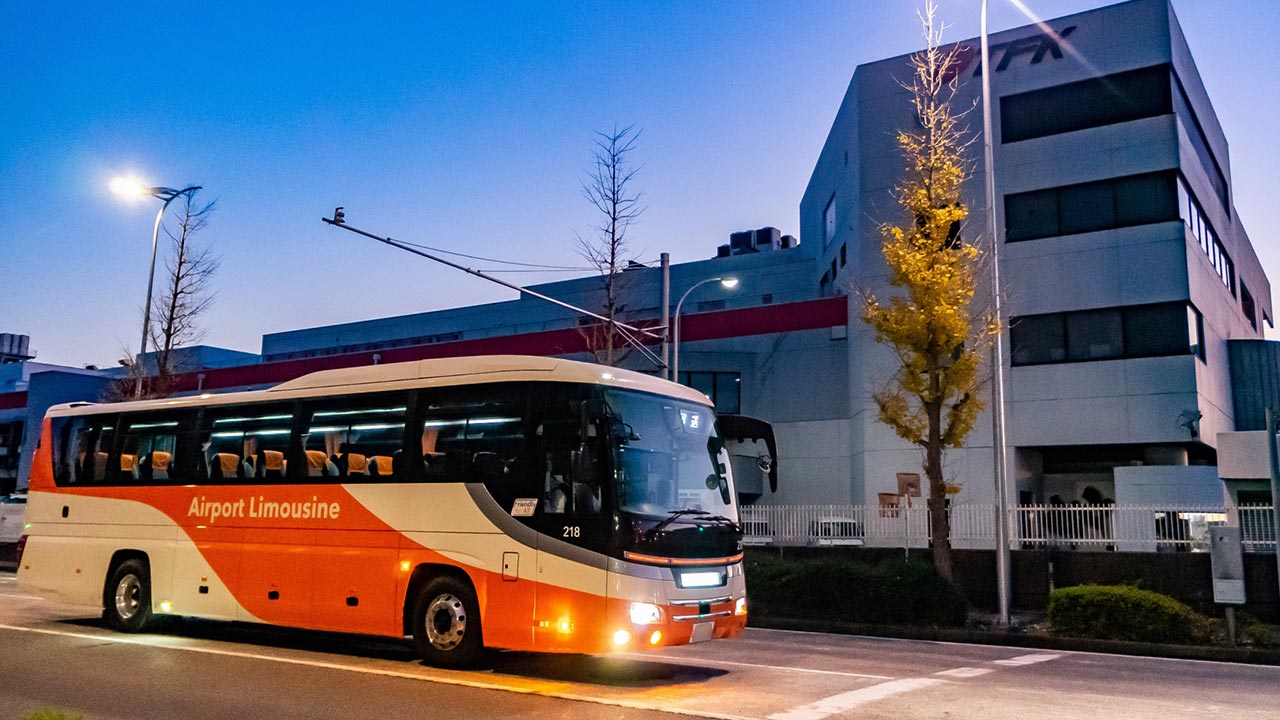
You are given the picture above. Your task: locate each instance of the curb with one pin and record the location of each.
(1251, 656)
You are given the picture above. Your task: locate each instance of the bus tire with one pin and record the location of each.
(126, 604)
(446, 623)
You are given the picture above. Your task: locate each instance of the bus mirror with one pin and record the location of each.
(743, 429)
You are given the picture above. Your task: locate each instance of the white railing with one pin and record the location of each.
(1093, 527)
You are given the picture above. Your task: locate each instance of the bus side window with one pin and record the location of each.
(241, 444)
(356, 438)
(75, 450)
(565, 452)
(156, 448)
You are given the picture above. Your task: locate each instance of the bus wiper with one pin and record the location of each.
(672, 517)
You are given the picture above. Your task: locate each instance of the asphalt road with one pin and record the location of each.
(54, 657)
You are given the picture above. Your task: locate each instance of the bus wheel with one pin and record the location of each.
(127, 602)
(446, 623)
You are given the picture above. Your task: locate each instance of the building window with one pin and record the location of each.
(1195, 331)
(1195, 132)
(844, 254)
(1108, 334)
(1089, 207)
(829, 221)
(1246, 305)
(834, 270)
(1096, 102)
(1036, 339)
(709, 305)
(724, 388)
(1094, 335)
(1192, 214)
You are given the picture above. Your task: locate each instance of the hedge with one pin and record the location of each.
(1123, 612)
(835, 588)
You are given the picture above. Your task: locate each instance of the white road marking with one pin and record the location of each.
(539, 688)
(847, 701)
(785, 668)
(965, 672)
(1027, 659)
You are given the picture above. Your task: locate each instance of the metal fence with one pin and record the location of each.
(1082, 527)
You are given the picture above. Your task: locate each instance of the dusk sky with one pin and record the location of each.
(463, 129)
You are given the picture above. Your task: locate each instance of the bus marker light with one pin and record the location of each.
(564, 626)
(166, 607)
(656, 637)
(622, 637)
(645, 613)
(404, 566)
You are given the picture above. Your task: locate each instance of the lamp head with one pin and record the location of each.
(729, 283)
(128, 187)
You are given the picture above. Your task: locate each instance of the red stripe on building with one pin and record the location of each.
(762, 320)
(9, 401)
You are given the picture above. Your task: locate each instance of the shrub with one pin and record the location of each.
(1122, 612)
(837, 588)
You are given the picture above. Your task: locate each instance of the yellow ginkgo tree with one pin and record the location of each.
(929, 320)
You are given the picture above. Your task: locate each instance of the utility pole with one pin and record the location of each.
(665, 309)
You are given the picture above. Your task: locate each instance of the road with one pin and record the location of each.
(54, 657)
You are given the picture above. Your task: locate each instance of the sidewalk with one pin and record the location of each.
(1017, 637)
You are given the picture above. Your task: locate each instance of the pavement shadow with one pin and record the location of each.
(363, 646)
(597, 670)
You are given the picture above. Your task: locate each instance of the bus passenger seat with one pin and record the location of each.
(318, 464)
(226, 467)
(380, 466)
(271, 464)
(356, 464)
(157, 463)
(585, 498)
(129, 465)
(99, 466)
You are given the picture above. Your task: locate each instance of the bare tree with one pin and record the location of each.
(186, 294)
(609, 187)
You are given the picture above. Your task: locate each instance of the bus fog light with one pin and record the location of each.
(622, 637)
(740, 608)
(656, 637)
(645, 613)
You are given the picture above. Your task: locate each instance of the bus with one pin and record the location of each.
(510, 502)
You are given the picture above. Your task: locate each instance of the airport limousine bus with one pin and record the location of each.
(508, 502)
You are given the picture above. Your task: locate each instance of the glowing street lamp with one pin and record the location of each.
(133, 188)
(728, 283)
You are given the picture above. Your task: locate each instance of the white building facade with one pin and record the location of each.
(1125, 269)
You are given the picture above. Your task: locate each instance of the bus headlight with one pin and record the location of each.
(645, 613)
(740, 608)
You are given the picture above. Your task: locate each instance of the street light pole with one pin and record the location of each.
(1000, 451)
(167, 195)
(665, 309)
(729, 283)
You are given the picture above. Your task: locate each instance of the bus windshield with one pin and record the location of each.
(669, 460)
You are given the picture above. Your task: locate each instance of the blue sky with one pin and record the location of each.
(465, 129)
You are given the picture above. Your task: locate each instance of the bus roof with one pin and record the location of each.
(414, 374)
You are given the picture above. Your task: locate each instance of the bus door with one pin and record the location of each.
(573, 527)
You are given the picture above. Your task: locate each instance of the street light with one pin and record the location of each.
(728, 283)
(133, 188)
(999, 448)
